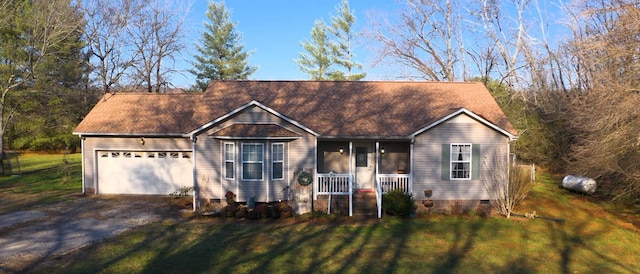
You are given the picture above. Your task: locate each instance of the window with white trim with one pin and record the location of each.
(252, 161)
(460, 161)
(229, 160)
(277, 161)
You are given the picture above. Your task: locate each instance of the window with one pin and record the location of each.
(277, 161)
(252, 159)
(460, 161)
(361, 157)
(229, 160)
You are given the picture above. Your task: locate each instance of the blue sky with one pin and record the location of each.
(273, 30)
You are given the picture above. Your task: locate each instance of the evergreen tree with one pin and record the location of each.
(56, 101)
(342, 42)
(317, 60)
(329, 54)
(33, 36)
(221, 56)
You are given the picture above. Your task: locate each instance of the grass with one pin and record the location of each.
(46, 178)
(591, 239)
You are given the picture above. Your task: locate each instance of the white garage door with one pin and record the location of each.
(143, 172)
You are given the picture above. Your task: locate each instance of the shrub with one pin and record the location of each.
(181, 192)
(242, 212)
(275, 212)
(262, 211)
(252, 215)
(286, 211)
(398, 203)
(230, 197)
(228, 211)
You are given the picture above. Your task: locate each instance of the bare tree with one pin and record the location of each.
(506, 184)
(156, 34)
(603, 109)
(111, 54)
(31, 33)
(507, 34)
(426, 39)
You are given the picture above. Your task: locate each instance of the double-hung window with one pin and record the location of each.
(277, 161)
(252, 161)
(460, 161)
(229, 160)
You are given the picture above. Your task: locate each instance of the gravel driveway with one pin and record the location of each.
(29, 237)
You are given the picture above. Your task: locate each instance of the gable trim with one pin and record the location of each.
(470, 114)
(245, 107)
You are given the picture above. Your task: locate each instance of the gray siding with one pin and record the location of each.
(299, 154)
(427, 160)
(94, 144)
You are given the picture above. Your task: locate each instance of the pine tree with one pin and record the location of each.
(221, 56)
(329, 53)
(33, 34)
(317, 60)
(342, 42)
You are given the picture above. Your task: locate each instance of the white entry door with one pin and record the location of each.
(365, 166)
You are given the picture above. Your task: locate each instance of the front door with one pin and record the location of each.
(365, 163)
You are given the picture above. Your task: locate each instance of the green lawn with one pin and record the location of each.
(46, 178)
(590, 240)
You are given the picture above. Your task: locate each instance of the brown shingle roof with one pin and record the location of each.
(348, 109)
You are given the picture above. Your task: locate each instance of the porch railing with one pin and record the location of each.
(333, 183)
(390, 182)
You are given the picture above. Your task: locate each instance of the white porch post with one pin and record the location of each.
(377, 161)
(377, 188)
(350, 179)
(194, 174)
(314, 188)
(411, 166)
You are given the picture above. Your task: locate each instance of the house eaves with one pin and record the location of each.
(136, 134)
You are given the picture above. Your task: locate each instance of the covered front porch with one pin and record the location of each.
(346, 167)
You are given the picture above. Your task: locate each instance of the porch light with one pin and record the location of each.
(341, 150)
(382, 150)
(142, 141)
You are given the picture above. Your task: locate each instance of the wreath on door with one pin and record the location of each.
(305, 178)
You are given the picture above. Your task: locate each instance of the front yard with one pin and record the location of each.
(589, 240)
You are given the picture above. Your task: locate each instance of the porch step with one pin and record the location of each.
(364, 205)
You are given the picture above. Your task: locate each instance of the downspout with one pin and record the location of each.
(194, 140)
(83, 164)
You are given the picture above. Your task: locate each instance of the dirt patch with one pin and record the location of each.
(31, 236)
